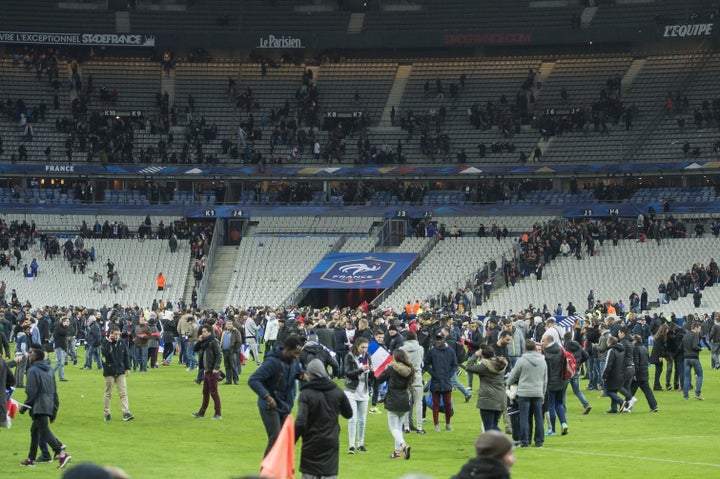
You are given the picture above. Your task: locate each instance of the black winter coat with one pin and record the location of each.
(41, 391)
(483, 468)
(441, 363)
(641, 363)
(319, 403)
(116, 358)
(399, 378)
(614, 368)
(658, 351)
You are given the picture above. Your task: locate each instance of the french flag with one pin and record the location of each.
(380, 357)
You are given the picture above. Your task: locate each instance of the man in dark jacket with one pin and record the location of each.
(116, 368)
(60, 334)
(691, 351)
(624, 337)
(209, 350)
(313, 349)
(319, 403)
(441, 363)
(43, 403)
(274, 384)
(641, 373)
(581, 356)
(613, 374)
(94, 339)
(230, 343)
(556, 383)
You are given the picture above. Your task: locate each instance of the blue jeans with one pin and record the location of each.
(93, 352)
(593, 372)
(601, 368)
(556, 406)
(690, 365)
(490, 419)
(60, 363)
(190, 360)
(457, 384)
(575, 383)
(615, 400)
(530, 406)
(143, 358)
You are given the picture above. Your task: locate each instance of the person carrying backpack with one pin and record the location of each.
(581, 356)
(556, 383)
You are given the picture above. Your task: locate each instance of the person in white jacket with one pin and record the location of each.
(272, 328)
(416, 353)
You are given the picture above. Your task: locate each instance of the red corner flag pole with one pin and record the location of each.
(280, 461)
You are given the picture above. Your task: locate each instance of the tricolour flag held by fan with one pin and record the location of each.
(567, 323)
(280, 460)
(380, 357)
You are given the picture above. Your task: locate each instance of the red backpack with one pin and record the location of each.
(568, 366)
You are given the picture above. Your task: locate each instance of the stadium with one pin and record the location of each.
(311, 156)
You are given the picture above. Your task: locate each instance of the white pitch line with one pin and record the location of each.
(647, 439)
(621, 456)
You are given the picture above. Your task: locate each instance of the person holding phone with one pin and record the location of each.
(210, 355)
(358, 369)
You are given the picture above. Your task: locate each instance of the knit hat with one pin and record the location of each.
(493, 444)
(316, 369)
(86, 471)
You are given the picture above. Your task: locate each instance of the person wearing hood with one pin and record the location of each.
(415, 353)
(319, 404)
(43, 403)
(400, 375)
(494, 459)
(556, 383)
(530, 374)
(274, 384)
(613, 374)
(491, 399)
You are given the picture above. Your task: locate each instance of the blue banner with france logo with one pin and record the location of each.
(358, 270)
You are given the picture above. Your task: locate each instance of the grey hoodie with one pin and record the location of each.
(530, 374)
(416, 353)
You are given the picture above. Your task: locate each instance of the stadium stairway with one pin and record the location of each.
(587, 16)
(633, 70)
(356, 23)
(396, 93)
(167, 84)
(546, 68)
(122, 22)
(221, 272)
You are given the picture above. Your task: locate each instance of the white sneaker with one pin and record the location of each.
(631, 403)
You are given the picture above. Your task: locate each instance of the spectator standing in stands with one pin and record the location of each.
(210, 355)
(161, 282)
(116, 369)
